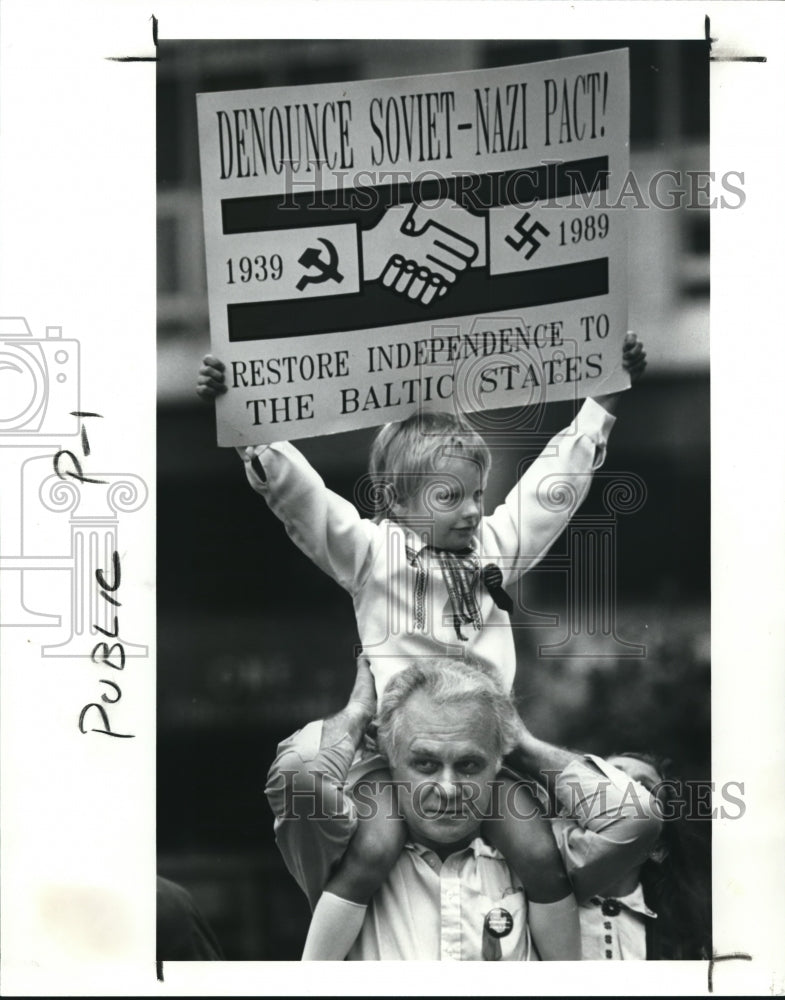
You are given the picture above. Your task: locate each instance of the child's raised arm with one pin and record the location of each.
(211, 383)
(327, 528)
(544, 500)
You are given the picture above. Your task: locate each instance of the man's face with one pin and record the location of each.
(449, 507)
(446, 758)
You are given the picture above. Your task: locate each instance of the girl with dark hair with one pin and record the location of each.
(657, 910)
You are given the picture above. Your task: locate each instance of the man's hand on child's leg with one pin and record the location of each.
(363, 696)
(212, 378)
(354, 717)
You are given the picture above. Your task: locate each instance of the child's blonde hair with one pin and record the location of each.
(404, 454)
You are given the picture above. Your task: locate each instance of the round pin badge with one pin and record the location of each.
(498, 922)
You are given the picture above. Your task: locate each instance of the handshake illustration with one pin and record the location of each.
(419, 251)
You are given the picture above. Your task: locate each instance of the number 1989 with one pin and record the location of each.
(584, 229)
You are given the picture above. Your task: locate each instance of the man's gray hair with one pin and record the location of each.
(447, 681)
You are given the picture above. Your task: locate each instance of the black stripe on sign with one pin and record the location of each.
(365, 206)
(474, 294)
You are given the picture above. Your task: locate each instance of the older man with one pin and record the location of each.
(450, 895)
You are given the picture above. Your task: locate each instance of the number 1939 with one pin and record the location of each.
(259, 268)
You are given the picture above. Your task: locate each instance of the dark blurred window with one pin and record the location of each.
(508, 53)
(305, 69)
(168, 272)
(695, 282)
(694, 84)
(698, 232)
(168, 141)
(644, 92)
(247, 79)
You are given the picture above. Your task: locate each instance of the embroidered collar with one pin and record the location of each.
(460, 572)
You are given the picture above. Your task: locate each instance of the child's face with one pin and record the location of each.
(449, 507)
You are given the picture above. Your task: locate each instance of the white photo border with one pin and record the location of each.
(77, 251)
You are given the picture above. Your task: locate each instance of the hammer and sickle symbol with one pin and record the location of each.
(312, 257)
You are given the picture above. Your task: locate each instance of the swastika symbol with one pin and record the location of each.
(527, 235)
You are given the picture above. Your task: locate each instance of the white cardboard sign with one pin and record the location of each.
(447, 241)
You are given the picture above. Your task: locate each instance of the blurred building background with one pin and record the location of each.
(253, 641)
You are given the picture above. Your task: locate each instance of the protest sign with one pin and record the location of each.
(454, 241)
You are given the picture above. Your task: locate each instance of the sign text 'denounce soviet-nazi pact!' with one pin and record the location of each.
(452, 241)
